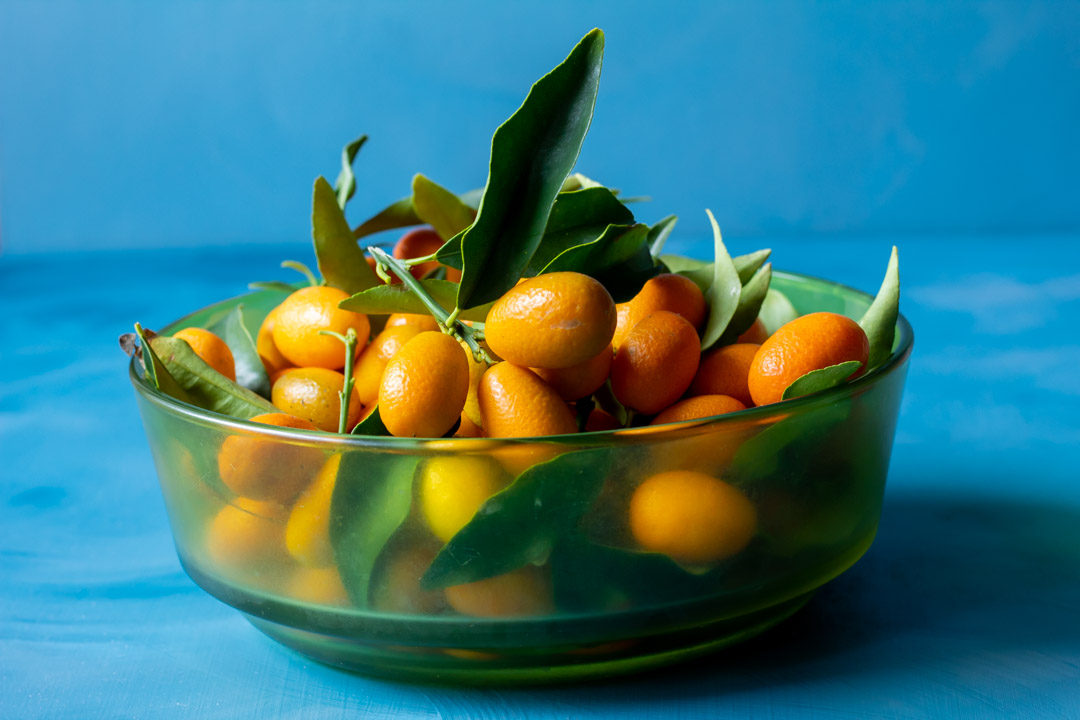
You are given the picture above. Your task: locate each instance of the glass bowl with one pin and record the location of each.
(327, 551)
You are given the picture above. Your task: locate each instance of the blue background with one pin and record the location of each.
(140, 143)
(135, 124)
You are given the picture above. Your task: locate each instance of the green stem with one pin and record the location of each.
(349, 338)
(417, 260)
(448, 321)
(301, 268)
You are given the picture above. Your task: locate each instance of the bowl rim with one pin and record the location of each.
(754, 415)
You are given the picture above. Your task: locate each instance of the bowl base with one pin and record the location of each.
(531, 665)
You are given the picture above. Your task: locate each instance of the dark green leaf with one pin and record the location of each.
(371, 500)
(750, 298)
(624, 264)
(371, 425)
(531, 155)
(789, 441)
(399, 214)
(747, 265)
(879, 322)
(341, 260)
(250, 372)
(659, 234)
(384, 299)
(521, 524)
(440, 208)
(577, 218)
(822, 379)
(723, 293)
(345, 187)
(204, 386)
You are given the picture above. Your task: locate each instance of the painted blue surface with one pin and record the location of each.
(149, 124)
(967, 605)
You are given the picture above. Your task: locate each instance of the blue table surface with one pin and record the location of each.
(967, 605)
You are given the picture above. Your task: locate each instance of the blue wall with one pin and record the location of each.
(153, 124)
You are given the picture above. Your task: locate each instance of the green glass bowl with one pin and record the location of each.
(335, 574)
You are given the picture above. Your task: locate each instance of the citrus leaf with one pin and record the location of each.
(532, 153)
(747, 265)
(521, 524)
(250, 371)
(398, 214)
(821, 379)
(371, 425)
(275, 285)
(786, 444)
(204, 386)
(440, 208)
(579, 181)
(659, 233)
(385, 299)
(341, 260)
(879, 321)
(345, 186)
(577, 218)
(371, 500)
(776, 311)
(750, 298)
(723, 293)
(155, 371)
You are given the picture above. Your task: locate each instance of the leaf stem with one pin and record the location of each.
(349, 338)
(418, 260)
(301, 268)
(448, 321)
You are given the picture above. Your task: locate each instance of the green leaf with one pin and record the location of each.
(155, 371)
(341, 260)
(522, 523)
(385, 299)
(750, 298)
(275, 285)
(619, 259)
(724, 291)
(399, 214)
(531, 155)
(250, 372)
(699, 271)
(780, 450)
(776, 310)
(579, 181)
(371, 425)
(821, 379)
(879, 322)
(204, 386)
(440, 208)
(747, 265)
(577, 218)
(345, 187)
(659, 234)
(371, 500)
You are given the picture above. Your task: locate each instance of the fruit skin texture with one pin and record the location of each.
(622, 324)
(372, 362)
(424, 387)
(303, 315)
(670, 292)
(424, 322)
(515, 402)
(271, 357)
(701, 406)
(581, 380)
(656, 363)
(312, 393)
(522, 592)
(453, 487)
(692, 517)
(211, 349)
(551, 321)
(725, 371)
(805, 344)
(268, 468)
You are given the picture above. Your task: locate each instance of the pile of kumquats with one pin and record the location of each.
(537, 306)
